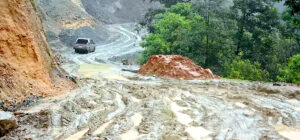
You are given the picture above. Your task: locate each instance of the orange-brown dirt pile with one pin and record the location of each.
(27, 69)
(175, 66)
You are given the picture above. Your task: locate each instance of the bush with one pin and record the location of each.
(245, 70)
(291, 73)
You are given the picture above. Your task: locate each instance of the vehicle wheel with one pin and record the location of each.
(76, 51)
(94, 49)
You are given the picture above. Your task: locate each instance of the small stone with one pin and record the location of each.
(8, 122)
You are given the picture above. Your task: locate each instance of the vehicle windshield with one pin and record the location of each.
(82, 41)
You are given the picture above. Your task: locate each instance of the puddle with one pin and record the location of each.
(198, 133)
(182, 118)
(102, 128)
(89, 70)
(241, 105)
(37, 108)
(133, 133)
(288, 132)
(137, 119)
(121, 107)
(130, 135)
(116, 77)
(296, 104)
(135, 99)
(103, 70)
(78, 135)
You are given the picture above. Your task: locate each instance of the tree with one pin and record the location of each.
(177, 31)
(291, 73)
(169, 3)
(245, 70)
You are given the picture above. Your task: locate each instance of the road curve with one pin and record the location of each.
(128, 42)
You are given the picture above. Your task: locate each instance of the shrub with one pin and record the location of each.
(291, 73)
(245, 70)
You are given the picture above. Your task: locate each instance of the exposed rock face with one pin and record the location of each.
(8, 122)
(175, 66)
(26, 66)
(119, 11)
(66, 20)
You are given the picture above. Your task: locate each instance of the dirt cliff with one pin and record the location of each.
(27, 69)
(175, 66)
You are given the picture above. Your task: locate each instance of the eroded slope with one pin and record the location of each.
(27, 69)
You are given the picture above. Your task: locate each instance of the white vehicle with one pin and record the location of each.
(84, 45)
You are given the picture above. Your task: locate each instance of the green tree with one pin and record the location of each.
(169, 3)
(245, 70)
(291, 73)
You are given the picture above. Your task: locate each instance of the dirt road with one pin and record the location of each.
(138, 107)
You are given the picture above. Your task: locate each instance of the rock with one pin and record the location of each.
(8, 122)
(125, 62)
(175, 66)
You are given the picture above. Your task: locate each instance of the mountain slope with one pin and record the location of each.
(26, 66)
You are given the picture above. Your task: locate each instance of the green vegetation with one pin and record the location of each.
(291, 73)
(245, 70)
(213, 34)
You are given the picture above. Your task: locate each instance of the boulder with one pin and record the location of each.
(8, 122)
(175, 66)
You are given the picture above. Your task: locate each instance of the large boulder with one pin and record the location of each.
(8, 122)
(175, 66)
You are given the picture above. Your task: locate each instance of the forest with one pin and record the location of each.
(239, 39)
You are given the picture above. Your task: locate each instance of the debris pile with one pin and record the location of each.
(175, 66)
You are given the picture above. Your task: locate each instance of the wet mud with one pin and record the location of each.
(145, 108)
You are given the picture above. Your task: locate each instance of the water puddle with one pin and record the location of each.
(78, 135)
(102, 128)
(133, 133)
(182, 118)
(130, 135)
(116, 77)
(288, 132)
(89, 70)
(135, 99)
(120, 108)
(295, 103)
(137, 119)
(102, 70)
(199, 133)
(241, 105)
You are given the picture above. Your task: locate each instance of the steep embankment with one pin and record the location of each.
(27, 69)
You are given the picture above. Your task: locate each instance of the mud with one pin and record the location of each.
(153, 108)
(166, 109)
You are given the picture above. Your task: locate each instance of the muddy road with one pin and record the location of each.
(116, 105)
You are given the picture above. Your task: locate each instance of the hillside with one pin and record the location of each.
(27, 68)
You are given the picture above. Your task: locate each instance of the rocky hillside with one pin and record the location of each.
(66, 20)
(27, 69)
(118, 11)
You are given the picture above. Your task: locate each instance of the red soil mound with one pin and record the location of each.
(175, 66)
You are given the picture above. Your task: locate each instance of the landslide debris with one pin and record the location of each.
(153, 108)
(175, 66)
(27, 69)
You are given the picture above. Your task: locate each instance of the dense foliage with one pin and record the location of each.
(213, 33)
(292, 71)
(245, 70)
